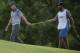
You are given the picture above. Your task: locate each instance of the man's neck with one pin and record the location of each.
(62, 9)
(14, 10)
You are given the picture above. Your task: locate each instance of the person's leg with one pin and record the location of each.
(18, 39)
(15, 33)
(59, 45)
(63, 42)
(66, 43)
(65, 35)
(60, 39)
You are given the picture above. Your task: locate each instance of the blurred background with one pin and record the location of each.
(44, 34)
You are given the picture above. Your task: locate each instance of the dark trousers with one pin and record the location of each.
(15, 33)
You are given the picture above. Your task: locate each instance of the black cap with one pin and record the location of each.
(60, 3)
(12, 3)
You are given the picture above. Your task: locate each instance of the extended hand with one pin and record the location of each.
(29, 24)
(6, 29)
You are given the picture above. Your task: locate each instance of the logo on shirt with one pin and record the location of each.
(61, 16)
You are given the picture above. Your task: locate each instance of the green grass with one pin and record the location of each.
(12, 47)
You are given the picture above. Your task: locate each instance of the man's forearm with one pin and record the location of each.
(26, 21)
(9, 23)
(72, 22)
(51, 20)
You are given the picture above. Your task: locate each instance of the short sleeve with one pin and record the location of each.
(11, 14)
(20, 13)
(68, 13)
(56, 15)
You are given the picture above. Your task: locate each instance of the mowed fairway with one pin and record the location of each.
(12, 47)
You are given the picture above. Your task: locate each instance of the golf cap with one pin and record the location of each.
(12, 3)
(60, 3)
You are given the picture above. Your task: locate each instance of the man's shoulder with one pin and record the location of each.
(18, 10)
(67, 10)
(11, 12)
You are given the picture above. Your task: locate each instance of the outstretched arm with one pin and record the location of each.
(25, 19)
(8, 25)
(51, 20)
(72, 21)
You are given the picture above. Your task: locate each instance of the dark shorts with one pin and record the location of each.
(63, 33)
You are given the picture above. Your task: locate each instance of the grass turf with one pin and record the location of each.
(12, 47)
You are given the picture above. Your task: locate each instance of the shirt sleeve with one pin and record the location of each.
(11, 14)
(20, 13)
(56, 16)
(68, 13)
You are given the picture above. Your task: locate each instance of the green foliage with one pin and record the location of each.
(37, 11)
